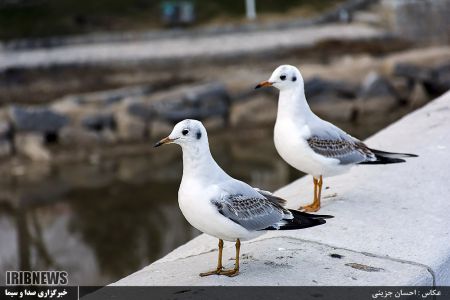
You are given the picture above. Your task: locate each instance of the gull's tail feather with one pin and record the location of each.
(383, 157)
(301, 220)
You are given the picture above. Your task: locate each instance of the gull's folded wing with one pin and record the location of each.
(330, 141)
(244, 205)
(346, 151)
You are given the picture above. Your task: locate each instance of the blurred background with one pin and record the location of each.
(87, 87)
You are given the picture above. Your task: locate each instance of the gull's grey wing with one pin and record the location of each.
(347, 152)
(270, 196)
(249, 208)
(332, 142)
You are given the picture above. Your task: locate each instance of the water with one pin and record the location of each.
(104, 219)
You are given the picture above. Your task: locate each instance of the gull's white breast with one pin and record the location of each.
(194, 200)
(291, 143)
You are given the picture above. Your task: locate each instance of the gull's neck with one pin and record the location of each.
(292, 105)
(198, 164)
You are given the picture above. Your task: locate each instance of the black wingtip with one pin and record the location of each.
(383, 157)
(302, 220)
(392, 154)
(325, 216)
(383, 161)
(258, 86)
(308, 215)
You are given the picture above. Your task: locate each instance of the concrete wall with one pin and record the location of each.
(391, 224)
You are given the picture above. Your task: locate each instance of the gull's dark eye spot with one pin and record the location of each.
(294, 78)
(283, 77)
(198, 135)
(185, 131)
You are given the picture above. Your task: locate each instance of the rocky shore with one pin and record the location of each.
(400, 82)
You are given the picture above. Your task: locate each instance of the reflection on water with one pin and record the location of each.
(105, 220)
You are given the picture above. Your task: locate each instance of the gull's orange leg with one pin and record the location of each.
(235, 271)
(219, 270)
(219, 263)
(315, 206)
(319, 195)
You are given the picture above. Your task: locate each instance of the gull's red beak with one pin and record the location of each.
(263, 84)
(164, 141)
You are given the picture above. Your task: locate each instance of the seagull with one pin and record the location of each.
(312, 145)
(219, 205)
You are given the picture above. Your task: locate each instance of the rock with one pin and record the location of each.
(418, 57)
(33, 119)
(129, 126)
(443, 74)
(67, 105)
(140, 109)
(108, 136)
(377, 95)
(376, 105)
(98, 121)
(440, 81)
(194, 102)
(5, 130)
(78, 136)
(160, 128)
(113, 96)
(5, 148)
(412, 72)
(375, 85)
(84, 137)
(214, 123)
(371, 18)
(336, 110)
(418, 96)
(109, 97)
(317, 86)
(205, 92)
(436, 81)
(256, 111)
(402, 87)
(32, 146)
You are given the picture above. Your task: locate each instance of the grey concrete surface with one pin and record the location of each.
(284, 261)
(391, 224)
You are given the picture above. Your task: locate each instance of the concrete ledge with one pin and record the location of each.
(391, 225)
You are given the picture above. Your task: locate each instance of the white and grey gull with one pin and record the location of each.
(219, 205)
(310, 144)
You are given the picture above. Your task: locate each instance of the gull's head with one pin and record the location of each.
(283, 78)
(186, 133)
